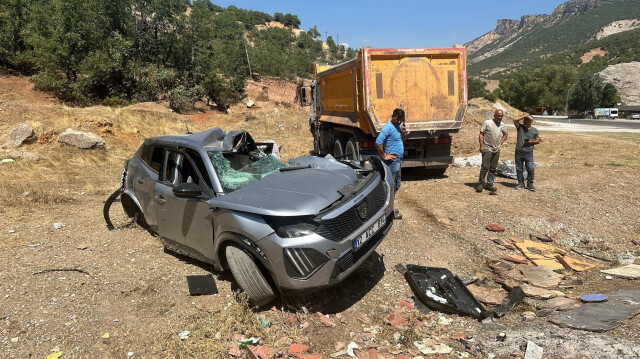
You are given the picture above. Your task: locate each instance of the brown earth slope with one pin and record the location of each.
(92, 293)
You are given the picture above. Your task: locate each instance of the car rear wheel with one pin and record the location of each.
(249, 277)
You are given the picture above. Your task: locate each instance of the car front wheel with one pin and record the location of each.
(249, 277)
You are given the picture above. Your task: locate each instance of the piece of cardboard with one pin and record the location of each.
(577, 265)
(541, 254)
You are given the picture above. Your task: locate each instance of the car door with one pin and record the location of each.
(187, 222)
(144, 179)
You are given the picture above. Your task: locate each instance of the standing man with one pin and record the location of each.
(492, 136)
(527, 138)
(391, 148)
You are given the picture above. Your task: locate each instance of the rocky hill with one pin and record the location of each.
(576, 22)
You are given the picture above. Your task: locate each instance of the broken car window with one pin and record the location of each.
(237, 170)
(180, 170)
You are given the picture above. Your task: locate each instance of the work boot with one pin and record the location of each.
(479, 187)
(397, 214)
(520, 186)
(490, 187)
(530, 187)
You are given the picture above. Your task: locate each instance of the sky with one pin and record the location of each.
(403, 23)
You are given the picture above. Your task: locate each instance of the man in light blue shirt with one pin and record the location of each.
(390, 146)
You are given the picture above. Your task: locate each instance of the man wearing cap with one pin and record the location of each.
(528, 137)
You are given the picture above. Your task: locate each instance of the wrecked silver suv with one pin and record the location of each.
(224, 199)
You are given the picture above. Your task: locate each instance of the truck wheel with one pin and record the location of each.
(351, 150)
(338, 149)
(249, 277)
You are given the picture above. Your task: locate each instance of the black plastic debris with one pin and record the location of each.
(201, 284)
(441, 290)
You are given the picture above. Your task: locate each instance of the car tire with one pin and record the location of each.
(351, 150)
(338, 149)
(248, 276)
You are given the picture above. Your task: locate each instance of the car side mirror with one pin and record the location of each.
(187, 190)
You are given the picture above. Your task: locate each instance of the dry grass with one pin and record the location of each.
(227, 324)
(66, 172)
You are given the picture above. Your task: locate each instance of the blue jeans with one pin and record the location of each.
(394, 167)
(525, 159)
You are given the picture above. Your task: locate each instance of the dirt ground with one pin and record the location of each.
(82, 291)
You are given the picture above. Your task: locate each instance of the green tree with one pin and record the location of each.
(586, 93)
(476, 88)
(351, 53)
(610, 96)
(546, 85)
(13, 21)
(314, 32)
(63, 33)
(292, 20)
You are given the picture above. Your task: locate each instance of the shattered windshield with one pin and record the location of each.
(237, 170)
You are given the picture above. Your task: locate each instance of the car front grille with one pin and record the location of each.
(337, 229)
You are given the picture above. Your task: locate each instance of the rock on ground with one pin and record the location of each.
(85, 140)
(23, 133)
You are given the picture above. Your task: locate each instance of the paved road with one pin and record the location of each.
(559, 123)
(617, 123)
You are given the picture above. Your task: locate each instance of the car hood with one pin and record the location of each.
(299, 192)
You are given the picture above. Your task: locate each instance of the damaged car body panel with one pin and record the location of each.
(224, 199)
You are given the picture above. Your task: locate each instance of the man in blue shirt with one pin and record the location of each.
(390, 146)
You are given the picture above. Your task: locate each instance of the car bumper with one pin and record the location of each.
(328, 262)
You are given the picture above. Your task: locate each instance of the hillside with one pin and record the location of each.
(583, 24)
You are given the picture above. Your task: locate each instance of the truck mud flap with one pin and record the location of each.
(441, 290)
(107, 206)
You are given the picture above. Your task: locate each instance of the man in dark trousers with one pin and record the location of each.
(391, 148)
(528, 137)
(492, 136)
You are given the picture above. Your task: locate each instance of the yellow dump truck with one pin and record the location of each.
(351, 101)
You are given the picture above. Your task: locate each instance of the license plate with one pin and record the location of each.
(368, 233)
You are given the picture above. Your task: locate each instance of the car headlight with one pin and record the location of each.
(292, 227)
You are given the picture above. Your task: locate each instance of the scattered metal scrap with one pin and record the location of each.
(591, 255)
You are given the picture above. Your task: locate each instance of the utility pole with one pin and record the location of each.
(325, 34)
(248, 62)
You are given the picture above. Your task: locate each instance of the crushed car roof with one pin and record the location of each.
(214, 138)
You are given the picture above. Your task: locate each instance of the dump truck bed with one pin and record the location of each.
(428, 83)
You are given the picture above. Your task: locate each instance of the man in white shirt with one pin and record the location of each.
(492, 136)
